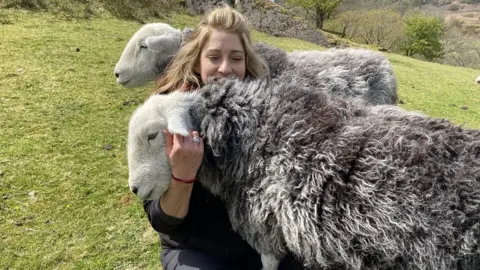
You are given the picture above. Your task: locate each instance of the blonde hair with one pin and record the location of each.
(181, 71)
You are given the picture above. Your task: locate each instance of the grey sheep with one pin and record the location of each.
(337, 182)
(350, 72)
(345, 72)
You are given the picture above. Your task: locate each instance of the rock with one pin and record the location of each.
(266, 17)
(108, 147)
(32, 195)
(464, 107)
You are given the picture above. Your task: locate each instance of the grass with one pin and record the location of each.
(59, 110)
(438, 90)
(64, 199)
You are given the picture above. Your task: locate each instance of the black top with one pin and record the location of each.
(206, 227)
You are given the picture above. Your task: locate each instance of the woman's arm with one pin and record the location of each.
(176, 199)
(185, 156)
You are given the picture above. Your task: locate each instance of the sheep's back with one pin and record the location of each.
(374, 182)
(341, 181)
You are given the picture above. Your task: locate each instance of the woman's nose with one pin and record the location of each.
(225, 67)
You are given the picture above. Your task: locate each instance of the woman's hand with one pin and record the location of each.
(184, 154)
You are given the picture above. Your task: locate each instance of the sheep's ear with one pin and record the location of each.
(178, 121)
(163, 43)
(187, 33)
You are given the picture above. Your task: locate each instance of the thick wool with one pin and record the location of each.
(350, 72)
(340, 184)
(342, 72)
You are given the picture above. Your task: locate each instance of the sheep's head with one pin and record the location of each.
(147, 54)
(477, 80)
(149, 170)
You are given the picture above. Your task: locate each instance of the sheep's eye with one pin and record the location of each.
(143, 46)
(152, 136)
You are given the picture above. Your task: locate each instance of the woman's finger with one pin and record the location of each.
(178, 139)
(196, 139)
(168, 138)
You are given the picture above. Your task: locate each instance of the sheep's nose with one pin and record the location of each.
(134, 190)
(117, 74)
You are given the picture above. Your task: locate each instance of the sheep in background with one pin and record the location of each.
(340, 184)
(358, 72)
(345, 72)
(361, 70)
(147, 54)
(477, 80)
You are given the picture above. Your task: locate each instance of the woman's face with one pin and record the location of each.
(222, 56)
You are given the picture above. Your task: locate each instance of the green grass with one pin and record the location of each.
(438, 90)
(64, 199)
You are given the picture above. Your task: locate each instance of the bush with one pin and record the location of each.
(423, 35)
(25, 4)
(453, 7)
(139, 10)
(124, 9)
(381, 27)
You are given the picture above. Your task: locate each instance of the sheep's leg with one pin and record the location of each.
(270, 262)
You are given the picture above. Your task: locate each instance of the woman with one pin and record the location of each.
(193, 224)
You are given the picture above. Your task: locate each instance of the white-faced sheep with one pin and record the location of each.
(339, 184)
(358, 72)
(147, 54)
(477, 80)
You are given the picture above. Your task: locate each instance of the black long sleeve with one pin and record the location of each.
(206, 227)
(160, 221)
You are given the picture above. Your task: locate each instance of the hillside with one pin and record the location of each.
(466, 12)
(457, 12)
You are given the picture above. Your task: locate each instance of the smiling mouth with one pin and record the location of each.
(215, 80)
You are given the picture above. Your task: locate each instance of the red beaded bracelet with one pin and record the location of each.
(184, 181)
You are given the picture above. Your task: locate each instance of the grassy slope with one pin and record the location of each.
(64, 200)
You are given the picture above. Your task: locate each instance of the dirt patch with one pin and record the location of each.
(126, 200)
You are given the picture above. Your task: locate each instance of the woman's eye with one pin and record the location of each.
(213, 58)
(152, 136)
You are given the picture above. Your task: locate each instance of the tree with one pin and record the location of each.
(381, 27)
(460, 50)
(423, 37)
(319, 10)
